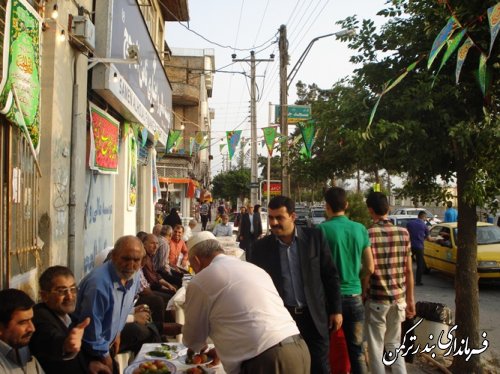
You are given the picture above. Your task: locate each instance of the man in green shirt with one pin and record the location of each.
(351, 253)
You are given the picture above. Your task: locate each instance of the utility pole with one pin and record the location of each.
(253, 133)
(254, 191)
(283, 47)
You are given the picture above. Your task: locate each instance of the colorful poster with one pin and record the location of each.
(201, 140)
(441, 39)
(461, 56)
(132, 171)
(144, 136)
(233, 138)
(21, 68)
(104, 133)
(269, 138)
(494, 21)
(156, 181)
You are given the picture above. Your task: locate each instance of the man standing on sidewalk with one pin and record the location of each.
(389, 291)
(351, 253)
(300, 264)
(418, 233)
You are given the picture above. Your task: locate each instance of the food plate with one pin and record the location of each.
(182, 360)
(136, 366)
(178, 348)
(162, 354)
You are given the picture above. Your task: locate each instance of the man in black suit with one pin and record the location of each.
(55, 343)
(250, 230)
(300, 264)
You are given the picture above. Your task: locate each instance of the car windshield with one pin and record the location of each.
(488, 235)
(301, 213)
(318, 213)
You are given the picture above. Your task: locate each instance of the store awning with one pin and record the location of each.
(175, 180)
(191, 184)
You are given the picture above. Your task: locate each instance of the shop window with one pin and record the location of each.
(19, 204)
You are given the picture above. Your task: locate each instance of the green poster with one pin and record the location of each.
(20, 85)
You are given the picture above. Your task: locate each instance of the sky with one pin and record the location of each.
(242, 25)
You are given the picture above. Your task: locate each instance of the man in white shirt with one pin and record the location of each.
(223, 228)
(236, 304)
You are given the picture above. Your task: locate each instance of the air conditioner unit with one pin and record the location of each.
(84, 30)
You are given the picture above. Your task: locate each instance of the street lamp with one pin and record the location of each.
(285, 81)
(298, 64)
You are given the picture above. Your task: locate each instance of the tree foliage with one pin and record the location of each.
(428, 127)
(232, 185)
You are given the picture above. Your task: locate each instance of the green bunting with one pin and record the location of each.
(269, 138)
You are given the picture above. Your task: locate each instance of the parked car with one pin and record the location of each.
(316, 216)
(414, 212)
(403, 219)
(301, 216)
(441, 253)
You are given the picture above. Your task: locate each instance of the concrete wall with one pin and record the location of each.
(64, 76)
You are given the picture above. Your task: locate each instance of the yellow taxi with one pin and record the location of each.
(440, 252)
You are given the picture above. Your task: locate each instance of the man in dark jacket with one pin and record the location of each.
(55, 343)
(300, 264)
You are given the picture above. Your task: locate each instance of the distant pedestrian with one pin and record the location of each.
(451, 214)
(389, 293)
(418, 233)
(223, 228)
(173, 218)
(204, 214)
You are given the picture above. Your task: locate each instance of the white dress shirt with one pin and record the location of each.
(236, 304)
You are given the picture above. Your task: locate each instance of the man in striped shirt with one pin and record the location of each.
(389, 291)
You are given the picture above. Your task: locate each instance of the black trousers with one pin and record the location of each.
(318, 344)
(419, 259)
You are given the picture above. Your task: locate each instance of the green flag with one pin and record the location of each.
(20, 85)
(233, 138)
(173, 136)
(441, 39)
(481, 73)
(269, 138)
(494, 21)
(461, 56)
(308, 131)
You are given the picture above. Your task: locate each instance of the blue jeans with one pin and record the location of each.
(353, 313)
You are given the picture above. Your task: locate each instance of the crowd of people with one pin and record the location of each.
(273, 313)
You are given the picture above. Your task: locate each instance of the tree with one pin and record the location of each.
(433, 129)
(232, 185)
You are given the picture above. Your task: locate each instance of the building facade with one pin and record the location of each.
(184, 168)
(78, 151)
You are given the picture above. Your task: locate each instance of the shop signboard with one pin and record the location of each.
(275, 188)
(140, 92)
(20, 83)
(296, 113)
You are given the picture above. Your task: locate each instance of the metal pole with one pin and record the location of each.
(269, 165)
(283, 47)
(253, 111)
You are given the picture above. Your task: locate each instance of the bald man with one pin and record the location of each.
(106, 295)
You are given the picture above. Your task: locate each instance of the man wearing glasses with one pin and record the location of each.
(56, 343)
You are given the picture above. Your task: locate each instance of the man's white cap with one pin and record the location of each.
(200, 237)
